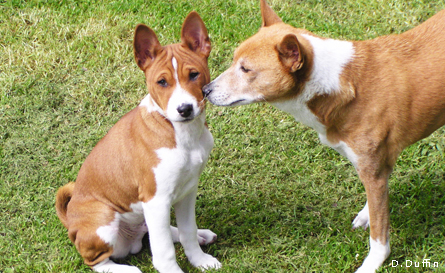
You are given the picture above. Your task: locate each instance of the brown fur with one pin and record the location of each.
(63, 197)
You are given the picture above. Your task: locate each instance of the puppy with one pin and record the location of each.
(366, 99)
(149, 161)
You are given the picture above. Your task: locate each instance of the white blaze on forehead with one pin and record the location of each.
(179, 97)
(148, 101)
(175, 67)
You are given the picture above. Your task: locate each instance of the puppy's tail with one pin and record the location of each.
(63, 197)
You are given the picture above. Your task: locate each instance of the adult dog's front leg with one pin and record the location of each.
(157, 217)
(188, 233)
(376, 185)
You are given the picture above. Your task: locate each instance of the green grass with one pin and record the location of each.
(278, 200)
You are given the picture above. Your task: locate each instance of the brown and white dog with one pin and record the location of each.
(366, 99)
(149, 161)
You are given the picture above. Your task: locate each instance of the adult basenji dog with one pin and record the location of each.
(150, 160)
(366, 99)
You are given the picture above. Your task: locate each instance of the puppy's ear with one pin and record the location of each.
(290, 53)
(268, 15)
(146, 46)
(194, 35)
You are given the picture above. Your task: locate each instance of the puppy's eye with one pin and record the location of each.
(245, 70)
(162, 83)
(193, 75)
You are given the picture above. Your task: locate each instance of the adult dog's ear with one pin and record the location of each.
(268, 15)
(146, 46)
(290, 53)
(194, 35)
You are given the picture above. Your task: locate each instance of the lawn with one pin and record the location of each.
(278, 200)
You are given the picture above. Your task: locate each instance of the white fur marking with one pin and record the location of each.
(125, 232)
(342, 148)
(377, 255)
(151, 105)
(157, 217)
(176, 178)
(298, 109)
(330, 56)
(185, 163)
(175, 67)
(110, 232)
(205, 236)
(185, 217)
(179, 97)
(362, 218)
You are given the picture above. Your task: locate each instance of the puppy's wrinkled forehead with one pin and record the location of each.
(179, 60)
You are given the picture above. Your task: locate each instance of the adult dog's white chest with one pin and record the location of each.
(330, 57)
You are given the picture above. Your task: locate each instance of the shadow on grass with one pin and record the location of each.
(306, 231)
(418, 209)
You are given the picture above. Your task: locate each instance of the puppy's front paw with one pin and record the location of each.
(206, 261)
(206, 236)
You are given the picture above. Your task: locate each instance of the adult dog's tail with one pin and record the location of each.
(63, 197)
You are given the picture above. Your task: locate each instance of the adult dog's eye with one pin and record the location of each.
(162, 83)
(193, 75)
(245, 70)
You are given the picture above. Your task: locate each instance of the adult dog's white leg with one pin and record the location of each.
(376, 185)
(188, 233)
(362, 218)
(157, 217)
(377, 255)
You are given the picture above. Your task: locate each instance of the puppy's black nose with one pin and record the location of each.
(207, 89)
(185, 110)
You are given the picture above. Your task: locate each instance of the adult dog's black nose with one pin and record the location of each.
(185, 110)
(207, 89)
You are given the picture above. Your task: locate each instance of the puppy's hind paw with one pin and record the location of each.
(206, 236)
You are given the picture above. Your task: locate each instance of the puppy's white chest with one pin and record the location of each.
(179, 163)
(179, 168)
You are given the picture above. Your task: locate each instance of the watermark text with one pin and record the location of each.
(426, 263)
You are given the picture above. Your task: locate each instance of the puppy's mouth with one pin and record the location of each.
(187, 120)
